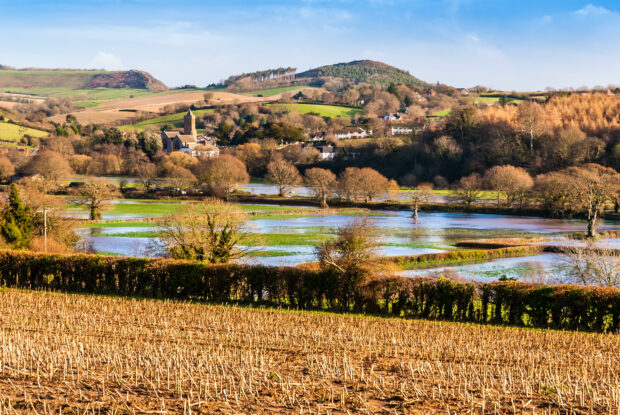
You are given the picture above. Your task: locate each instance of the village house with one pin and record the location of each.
(187, 140)
(350, 132)
(401, 129)
(327, 152)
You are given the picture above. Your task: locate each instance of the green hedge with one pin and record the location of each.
(514, 303)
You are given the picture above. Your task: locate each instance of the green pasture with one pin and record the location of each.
(175, 120)
(331, 111)
(275, 91)
(12, 132)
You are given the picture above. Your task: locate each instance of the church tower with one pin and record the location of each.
(189, 123)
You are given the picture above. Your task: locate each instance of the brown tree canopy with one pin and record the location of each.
(283, 174)
(321, 182)
(221, 175)
(513, 182)
(94, 194)
(50, 165)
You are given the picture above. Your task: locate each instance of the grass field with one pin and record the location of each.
(331, 111)
(12, 132)
(276, 91)
(88, 354)
(45, 79)
(176, 120)
(443, 113)
(492, 100)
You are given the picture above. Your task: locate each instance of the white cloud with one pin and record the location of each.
(104, 60)
(544, 20)
(591, 10)
(473, 37)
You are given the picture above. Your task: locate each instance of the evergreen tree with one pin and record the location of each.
(16, 221)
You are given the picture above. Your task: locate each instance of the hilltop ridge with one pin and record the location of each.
(369, 71)
(31, 78)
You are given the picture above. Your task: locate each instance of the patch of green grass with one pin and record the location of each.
(270, 254)
(12, 132)
(332, 111)
(276, 91)
(175, 120)
(116, 224)
(443, 113)
(87, 104)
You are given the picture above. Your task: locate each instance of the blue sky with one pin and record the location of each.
(517, 44)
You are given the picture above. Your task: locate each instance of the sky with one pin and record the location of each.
(519, 45)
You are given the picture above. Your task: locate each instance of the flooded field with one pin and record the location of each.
(276, 237)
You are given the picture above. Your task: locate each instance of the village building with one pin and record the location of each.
(401, 129)
(350, 132)
(187, 140)
(327, 152)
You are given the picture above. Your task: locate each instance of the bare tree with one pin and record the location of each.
(513, 182)
(50, 165)
(221, 175)
(7, 170)
(321, 181)
(147, 173)
(593, 186)
(352, 258)
(423, 193)
(210, 232)
(469, 188)
(531, 120)
(592, 266)
(283, 174)
(94, 194)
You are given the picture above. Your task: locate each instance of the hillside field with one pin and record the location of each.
(14, 79)
(277, 91)
(12, 132)
(176, 120)
(331, 111)
(84, 353)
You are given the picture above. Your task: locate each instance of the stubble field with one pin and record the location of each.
(87, 354)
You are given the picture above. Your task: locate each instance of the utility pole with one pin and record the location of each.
(45, 229)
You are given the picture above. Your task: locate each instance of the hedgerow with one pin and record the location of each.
(502, 302)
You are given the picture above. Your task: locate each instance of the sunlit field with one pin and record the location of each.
(87, 354)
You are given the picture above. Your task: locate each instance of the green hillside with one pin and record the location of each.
(40, 81)
(46, 79)
(332, 111)
(12, 132)
(364, 71)
(174, 120)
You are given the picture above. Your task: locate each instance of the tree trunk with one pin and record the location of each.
(324, 201)
(592, 218)
(415, 212)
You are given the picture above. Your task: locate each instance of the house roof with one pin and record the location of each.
(348, 130)
(186, 138)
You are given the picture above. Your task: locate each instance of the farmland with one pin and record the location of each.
(175, 120)
(108, 354)
(277, 91)
(331, 111)
(12, 132)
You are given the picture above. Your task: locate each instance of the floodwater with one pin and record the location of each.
(544, 268)
(399, 235)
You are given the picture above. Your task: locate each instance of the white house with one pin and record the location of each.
(350, 132)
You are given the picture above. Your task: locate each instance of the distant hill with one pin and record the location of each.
(369, 71)
(77, 79)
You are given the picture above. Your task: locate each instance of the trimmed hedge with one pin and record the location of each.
(513, 303)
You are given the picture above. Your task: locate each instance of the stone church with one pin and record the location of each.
(187, 140)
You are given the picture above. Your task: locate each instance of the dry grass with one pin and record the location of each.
(86, 354)
(127, 109)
